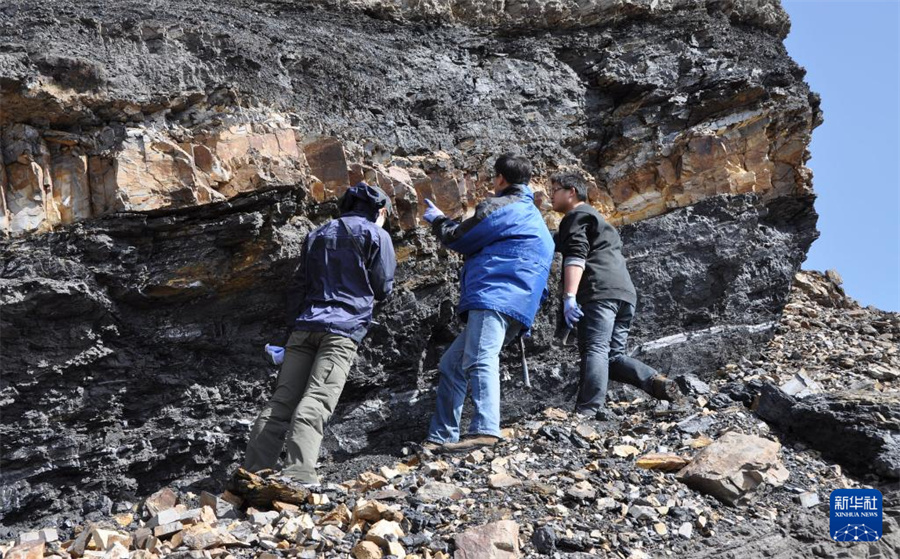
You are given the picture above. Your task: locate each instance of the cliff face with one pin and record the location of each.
(162, 162)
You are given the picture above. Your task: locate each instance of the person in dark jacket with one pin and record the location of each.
(508, 251)
(598, 297)
(345, 266)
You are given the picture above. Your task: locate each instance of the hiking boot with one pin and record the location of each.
(605, 414)
(662, 388)
(472, 442)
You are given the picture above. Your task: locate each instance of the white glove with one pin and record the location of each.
(432, 212)
(274, 354)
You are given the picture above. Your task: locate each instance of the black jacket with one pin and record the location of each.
(586, 238)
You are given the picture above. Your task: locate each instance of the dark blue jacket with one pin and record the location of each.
(345, 267)
(508, 251)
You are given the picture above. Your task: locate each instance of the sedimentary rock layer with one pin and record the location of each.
(857, 428)
(130, 108)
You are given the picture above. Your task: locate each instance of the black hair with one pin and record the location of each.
(514, 168)
(571, 180)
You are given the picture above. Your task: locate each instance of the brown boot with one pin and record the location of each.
(472, 442)
(432, 447)
(662, 388)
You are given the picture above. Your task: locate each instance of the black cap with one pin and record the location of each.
(364, 194)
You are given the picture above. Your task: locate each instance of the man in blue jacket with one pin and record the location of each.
(508, 251)
(346, 266)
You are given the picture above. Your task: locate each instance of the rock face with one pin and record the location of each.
(161, 168)
(858, 429)
(221, 105)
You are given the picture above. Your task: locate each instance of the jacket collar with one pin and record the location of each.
(512, 189)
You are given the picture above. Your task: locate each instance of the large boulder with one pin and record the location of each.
(498, 540)
(733, 466)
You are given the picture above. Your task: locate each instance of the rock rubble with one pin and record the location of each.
(555, 486)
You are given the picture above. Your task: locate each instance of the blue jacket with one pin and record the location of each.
(508, 251)
(345, 267)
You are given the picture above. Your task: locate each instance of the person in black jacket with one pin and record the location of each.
(599, 298)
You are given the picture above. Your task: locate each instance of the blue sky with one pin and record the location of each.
(850, 51)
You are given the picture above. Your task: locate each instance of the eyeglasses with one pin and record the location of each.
(558, 188)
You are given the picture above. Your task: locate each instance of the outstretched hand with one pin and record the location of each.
(432, 212)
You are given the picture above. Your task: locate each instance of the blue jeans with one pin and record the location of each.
(472, 362)
(602, 339)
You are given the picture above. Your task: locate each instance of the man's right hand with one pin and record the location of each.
(572, 311)
(432, 212)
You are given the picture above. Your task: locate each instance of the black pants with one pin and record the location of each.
(602, 338)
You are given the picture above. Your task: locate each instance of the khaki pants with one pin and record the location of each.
(309, 385)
